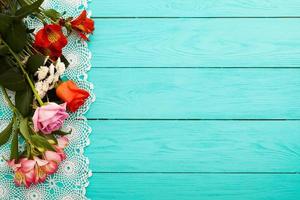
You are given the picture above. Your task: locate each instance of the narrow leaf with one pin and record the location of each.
(65, 61)
(24, 100)
(14, 149)
(28, 9)
(5, 134)
(42, 142)
(53, 14)
(22, 3)
(24, 129)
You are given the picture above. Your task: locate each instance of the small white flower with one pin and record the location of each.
(39, 86)
(60, 67)
(56, 78)
(51, 69)
(42, 72)
(48, 77)
(45, 87)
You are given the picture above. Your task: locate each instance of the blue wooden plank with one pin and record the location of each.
(194, 186)
(187, 146)
(196, 93)
(195, 8)
(194, 146)
(196, 43)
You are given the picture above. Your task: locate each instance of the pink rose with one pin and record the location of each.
(49, 117)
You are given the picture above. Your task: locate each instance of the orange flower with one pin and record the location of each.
(83, 25)
(72, 95)
(50, 40)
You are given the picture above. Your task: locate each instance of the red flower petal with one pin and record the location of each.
(50, 40)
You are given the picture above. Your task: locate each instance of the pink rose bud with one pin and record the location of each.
(49, 117)
(62, 142)
(53, 156)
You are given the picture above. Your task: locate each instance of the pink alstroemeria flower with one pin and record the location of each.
(40, 174)
(25, 174)
(24, 178)
(51, 167)
(33, 171)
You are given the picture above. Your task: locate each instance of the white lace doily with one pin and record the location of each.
(71, 180)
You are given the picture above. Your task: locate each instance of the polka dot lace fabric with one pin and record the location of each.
(71, 180)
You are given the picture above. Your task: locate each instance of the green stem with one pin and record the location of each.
(38, 98)
(40, 13)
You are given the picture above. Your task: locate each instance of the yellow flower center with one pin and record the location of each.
(53, 37)
(81, 27)
(19, 176)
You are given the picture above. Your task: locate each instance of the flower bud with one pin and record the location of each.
(41, 149)
(51, 141)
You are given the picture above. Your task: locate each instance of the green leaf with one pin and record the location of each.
(62, 133)
(22, 3)
(5, 134)
(41, 142)
(5, 22)
(12, 79)
(53, 14)
(24, 100)
(14, 148)
(28, 9)
(16, 36)
(4, 64)
(3, 50)
(30, 30)
(34, 62)
(51, 137)
(24, 129)
(64, 60)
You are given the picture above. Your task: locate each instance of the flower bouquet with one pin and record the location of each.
(31, 67)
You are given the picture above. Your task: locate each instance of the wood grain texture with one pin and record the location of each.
(196, 93)
(193, 186)
(195, 159)
(196, 43)
(194, 146)
(195, 8)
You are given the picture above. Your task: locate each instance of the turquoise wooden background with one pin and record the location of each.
(196, 99)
